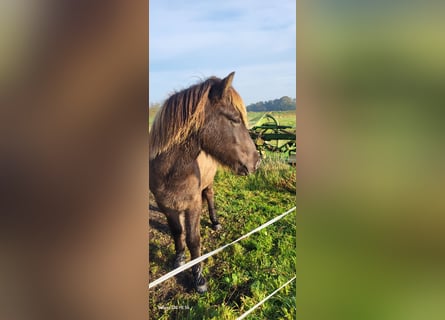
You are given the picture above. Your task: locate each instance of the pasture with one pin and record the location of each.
(243, 274)
(286, 118)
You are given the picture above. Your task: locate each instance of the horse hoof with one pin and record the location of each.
(179, 261)
(216, 227)
(202, 287)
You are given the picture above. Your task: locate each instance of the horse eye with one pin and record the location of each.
(232, 118)
(235, 120)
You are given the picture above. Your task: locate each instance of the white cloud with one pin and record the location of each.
(203, 38)
(253, 82)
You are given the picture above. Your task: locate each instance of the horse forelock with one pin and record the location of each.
(236, 100)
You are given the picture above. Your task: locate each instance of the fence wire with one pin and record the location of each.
(207, 255)
(245, 314)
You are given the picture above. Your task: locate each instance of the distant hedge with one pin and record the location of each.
(282, 104)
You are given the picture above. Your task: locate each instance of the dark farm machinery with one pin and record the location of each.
(269, 136)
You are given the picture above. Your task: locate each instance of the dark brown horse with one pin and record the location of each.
(195, 129)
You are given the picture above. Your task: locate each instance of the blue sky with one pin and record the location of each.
(192, 40)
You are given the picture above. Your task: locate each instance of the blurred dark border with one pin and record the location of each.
(73, 159)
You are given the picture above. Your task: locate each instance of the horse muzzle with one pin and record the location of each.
(244, 169)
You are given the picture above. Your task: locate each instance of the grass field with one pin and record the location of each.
(286, 118)
(243, 274)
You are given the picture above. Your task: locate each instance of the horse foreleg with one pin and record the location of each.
(176, 224)
(209, 195)
(193, 238)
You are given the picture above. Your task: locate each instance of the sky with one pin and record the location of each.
(192, 40)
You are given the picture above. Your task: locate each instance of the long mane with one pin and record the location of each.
(183, 113)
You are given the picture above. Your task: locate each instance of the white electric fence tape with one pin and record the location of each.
(207, 255)
(264, 300)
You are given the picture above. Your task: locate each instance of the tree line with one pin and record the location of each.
(283, 104)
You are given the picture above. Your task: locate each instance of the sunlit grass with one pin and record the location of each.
(243, 274)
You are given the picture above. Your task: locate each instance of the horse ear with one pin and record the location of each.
(227, 81)
(220, 89)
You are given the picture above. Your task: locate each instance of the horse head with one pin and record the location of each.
(224, 133)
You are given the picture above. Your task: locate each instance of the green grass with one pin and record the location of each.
(285, 118)
(243, 274)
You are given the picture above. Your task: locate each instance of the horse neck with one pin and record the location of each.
(178, 159)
